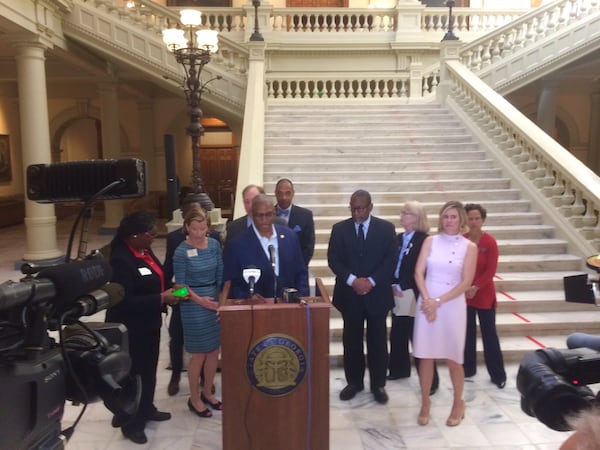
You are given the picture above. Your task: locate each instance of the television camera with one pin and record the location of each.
(554, 382)
(47, 354)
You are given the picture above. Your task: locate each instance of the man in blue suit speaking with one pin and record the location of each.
(274, 249)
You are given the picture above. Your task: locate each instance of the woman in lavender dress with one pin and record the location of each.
(444, 271)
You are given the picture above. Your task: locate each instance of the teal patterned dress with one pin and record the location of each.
(202, 271)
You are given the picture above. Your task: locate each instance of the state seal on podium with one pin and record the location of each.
(276, 364)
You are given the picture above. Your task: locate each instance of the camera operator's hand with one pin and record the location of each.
(167, 297)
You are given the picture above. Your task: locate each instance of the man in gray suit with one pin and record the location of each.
(299, 219)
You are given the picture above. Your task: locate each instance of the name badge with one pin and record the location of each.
(144, 271)
(192, 252)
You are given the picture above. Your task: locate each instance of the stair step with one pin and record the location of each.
(505, 247)
(400, 185)
(411, 150)
(388, 175)
(524, 231)
(391, 209)
(520, 218)
(514, 348)
(324, 199)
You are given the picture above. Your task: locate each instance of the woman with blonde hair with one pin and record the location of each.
(444, 271)
(198, 264)
(413, 219)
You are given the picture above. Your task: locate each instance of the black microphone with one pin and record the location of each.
(251, 275)
(272, 256)
(98, 300)
(272, 259)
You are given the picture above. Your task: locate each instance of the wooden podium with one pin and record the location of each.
(275, 361)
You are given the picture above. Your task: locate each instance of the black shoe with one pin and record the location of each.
(117, 421)
(204, 413)
(380, 395)
(159, 416)
(139, 437)
(500, 384)
(217, 406)
(349, 392)
(173, 387)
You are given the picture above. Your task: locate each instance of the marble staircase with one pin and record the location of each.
(422, 152)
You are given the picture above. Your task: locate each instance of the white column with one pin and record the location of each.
(111, 145)
(251, 165)
(546, 107)
(40, 221)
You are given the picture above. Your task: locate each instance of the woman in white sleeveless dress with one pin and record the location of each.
(444, 271)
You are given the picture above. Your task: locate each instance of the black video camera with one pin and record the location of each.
(47, 354)
(553, 383)
(89, 361)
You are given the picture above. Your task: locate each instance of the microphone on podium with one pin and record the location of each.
(251, 275)
(272, 256)
(272, 252)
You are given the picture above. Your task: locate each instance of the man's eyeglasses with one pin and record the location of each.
(267, 215)
(358, 208)
(408, 213)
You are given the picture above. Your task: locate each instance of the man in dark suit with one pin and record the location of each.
(174, 238)
(362, 253)
(297, 218)
(254, 248)
(239, 225)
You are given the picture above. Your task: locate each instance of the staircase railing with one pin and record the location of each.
(562, 187)
(510, 51)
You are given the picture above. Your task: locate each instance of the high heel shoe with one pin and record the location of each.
(423, 418)
(218, 406)
(455, 421)
(204, 413)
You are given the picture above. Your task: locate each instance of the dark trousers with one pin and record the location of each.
(401, 334)
(491, 345)
(143, 349)
(354, 355)
(176, 342)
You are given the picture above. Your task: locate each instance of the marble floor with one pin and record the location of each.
(493, 419)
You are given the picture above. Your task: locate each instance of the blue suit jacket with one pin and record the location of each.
(245, 251)
(302, 222)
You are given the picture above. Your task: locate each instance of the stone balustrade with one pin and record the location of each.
(562, 186)
(525, 31)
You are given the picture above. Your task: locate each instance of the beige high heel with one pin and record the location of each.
(423, 418)
(455, 421)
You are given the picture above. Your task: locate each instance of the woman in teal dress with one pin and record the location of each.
(198, 264)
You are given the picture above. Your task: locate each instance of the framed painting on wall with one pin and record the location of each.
(5, 167)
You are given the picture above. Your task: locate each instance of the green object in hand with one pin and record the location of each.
(181, 292)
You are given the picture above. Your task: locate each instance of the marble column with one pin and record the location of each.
(546, 107)
(40, 220)
(111, 147)
(250, 170)
(594, 139)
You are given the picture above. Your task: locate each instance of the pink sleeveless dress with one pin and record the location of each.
(444, 338)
